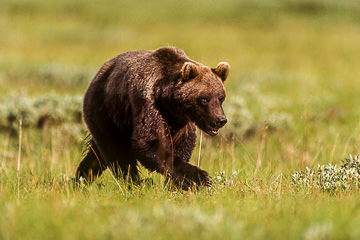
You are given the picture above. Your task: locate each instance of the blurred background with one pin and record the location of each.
(293, 91)
(293, 97)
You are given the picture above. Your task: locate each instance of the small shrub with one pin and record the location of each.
(222, 181)
(39, 112)
(330, 177)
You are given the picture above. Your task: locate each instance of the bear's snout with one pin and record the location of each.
(221, 121)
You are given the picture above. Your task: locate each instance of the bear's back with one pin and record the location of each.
(136, 72)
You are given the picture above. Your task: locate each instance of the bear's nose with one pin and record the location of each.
(221, 121)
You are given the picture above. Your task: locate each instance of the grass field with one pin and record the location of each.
(292, 102)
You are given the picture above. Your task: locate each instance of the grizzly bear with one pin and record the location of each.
(143, 106)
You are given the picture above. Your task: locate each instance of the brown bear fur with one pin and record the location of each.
(143, 106)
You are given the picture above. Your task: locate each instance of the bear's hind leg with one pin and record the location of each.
(90, 167)
(125, 165)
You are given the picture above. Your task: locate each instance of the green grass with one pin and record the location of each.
(293, 97)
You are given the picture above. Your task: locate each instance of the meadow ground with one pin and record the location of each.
(293, 101)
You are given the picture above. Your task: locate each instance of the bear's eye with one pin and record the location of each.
(221, 99)
(204, 101)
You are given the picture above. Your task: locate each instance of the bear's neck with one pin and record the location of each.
(175, 120)
(170, 111)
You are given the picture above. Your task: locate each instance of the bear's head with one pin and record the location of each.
(201, 92)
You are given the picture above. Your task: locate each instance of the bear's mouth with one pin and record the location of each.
(212, 131)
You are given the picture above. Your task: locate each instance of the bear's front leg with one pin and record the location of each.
(187, 175)
(156, 155)
(155, 150)
(150, 143)
(184, 173)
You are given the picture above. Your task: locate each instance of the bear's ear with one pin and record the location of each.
(222, 70)
(189, 71)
